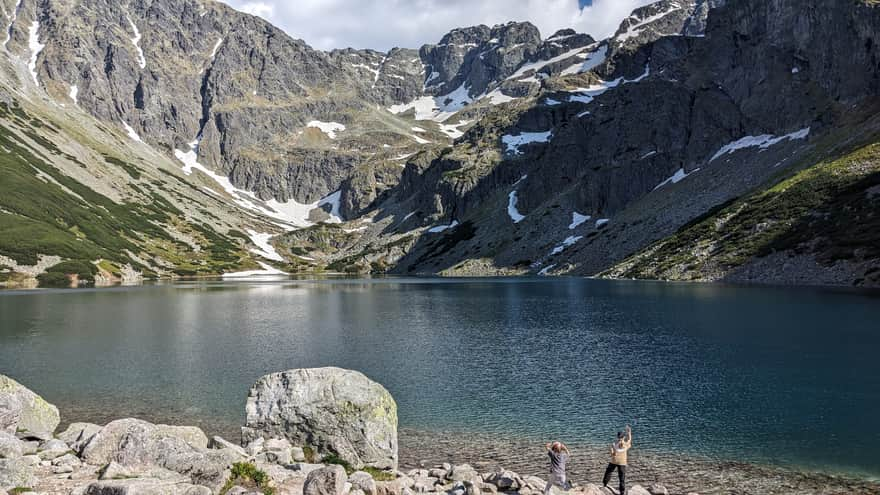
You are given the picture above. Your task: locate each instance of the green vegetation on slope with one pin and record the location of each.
(43, 211)
(830, 210)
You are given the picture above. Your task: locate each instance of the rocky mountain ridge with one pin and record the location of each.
(493, 151)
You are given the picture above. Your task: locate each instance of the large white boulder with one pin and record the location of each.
(335, 411)
(23, 411)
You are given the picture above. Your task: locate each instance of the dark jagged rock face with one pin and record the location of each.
(757, 68)
(478, 58)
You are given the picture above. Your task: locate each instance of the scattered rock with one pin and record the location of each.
(638, 490)
(53, 448)
(277, 450)
(298, 454)
(463, 472)
(339, 411)
(255, 446)
(144, 487)
(328, 480)
(30, 447)
(221, 443)
(78, 434)
(363, 481)
(133, 442)
(440, 473)
(10, 445)
(21, 410)
(656, 489)
(591, 489)
(16, 472)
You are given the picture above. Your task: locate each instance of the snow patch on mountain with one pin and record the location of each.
(514, 214)
(264, 246)
(633, 30)
(440, 228)
(74, 92)
(328, 128)
(677, 177)
(594, 59)
(268, 273)
(131, 132)
(291, 214)
(420, 140)
(763, 142)
(513, 143)
(35, 47)
(568, 242)
(577, 220)
(436, 108)
(216, 47)
(540, 64)
(452, 130)
(587, 95)
(142, 62)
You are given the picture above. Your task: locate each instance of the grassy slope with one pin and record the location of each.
(60, 216)
(830, 211)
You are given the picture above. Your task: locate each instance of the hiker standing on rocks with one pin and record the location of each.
(618, 459)
(559, 454)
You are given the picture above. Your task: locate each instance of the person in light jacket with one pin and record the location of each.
(618, 459)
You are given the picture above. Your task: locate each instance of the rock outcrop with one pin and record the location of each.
(335, 411)
(142, 446)
(23, 411)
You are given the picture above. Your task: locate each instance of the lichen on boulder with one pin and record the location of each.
(337, 412)
(23, 411)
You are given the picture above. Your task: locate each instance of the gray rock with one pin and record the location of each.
(10, 445)
(505, 481)
(329, 480)
(30, 447)
(16, 472)
(67, 460)
(591, 489)
(304, 467)
(339, 411)
(363, 481)
(21, 410)
(473, 488)
(637, 490)
(77, 435)
(218, 442)
(132, 442)
(52, 448)
(297, 454)
(255, 446)
(489, 487)
(463, 472)
(657, 489)
(277, 450)
(145, 487)
(439, 473)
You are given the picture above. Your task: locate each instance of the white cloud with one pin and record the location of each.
(382, 24)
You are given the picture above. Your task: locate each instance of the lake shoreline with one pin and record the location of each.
(680, 473)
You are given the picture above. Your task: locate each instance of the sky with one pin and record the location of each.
(384, 24)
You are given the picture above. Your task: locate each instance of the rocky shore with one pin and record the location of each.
(322, 431)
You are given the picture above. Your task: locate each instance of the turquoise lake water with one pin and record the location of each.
(761, 374)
